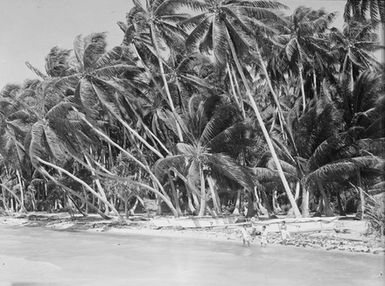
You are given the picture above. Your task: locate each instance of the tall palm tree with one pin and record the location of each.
(358, 10)
(215, 138)
(227, 27)
(355, 46)
(303, 41)
(159, 18)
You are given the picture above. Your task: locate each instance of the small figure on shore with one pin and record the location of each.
(284, 233)
(264, 236)
(246, 238)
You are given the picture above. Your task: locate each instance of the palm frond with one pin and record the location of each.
(35, 70)
(94, 47)
(223, 165)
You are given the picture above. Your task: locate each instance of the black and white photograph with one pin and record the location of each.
(192, 142)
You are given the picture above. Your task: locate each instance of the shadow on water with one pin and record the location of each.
(35, 256)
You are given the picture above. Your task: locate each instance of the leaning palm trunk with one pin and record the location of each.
(72, 192)
(237, 206)
(87, 187)
(214, 195)
(170, 101)
(261, 123)
(160, 193)
(98, 184)
(274, 94)
(128, 127)
(5, 204)
(175, 194)
(300, 70)
(14, 195)
(238, 102)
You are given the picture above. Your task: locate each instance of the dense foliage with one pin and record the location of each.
(234, 107)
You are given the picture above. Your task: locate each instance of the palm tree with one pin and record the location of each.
(358, 10)
(355, 46)
(215, 138)
(303, 41)
(159, 18)
(229, 24)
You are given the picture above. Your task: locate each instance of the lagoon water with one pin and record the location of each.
(35, 256)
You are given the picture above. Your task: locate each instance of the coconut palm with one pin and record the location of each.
(355, 46)
(215, 138)
(158, 19)
(304, 43)
(358, 10)
(226, 27)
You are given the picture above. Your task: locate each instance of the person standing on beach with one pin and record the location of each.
(284, 233)
(245, 236)
(264, 236)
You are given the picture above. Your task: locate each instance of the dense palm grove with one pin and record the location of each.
(234, 106)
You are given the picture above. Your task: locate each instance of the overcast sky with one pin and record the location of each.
(30, 28)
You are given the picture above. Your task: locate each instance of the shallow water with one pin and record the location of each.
(35, 256)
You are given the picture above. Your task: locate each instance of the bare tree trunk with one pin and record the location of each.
(238, 102)
(315, 84)
(12, 193)
(190, 200)
(170, 101)
(203, 191)
(128, 127)
(22, 206)
(361, 211)
(305, 202)
(297, 189)
(98, 184)
(327, 209)
(214, 195)
(72, 192)
(300, 70)
(85, 185)
(262, 124)
(237, 207)
(175, 194)
(161, 193)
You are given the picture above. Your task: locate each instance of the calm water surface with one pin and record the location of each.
(34, 256)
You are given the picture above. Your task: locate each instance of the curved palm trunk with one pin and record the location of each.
(160, 193)
(261, 123)
(72, 192)
(128, 127)
(170, 101)
(87, 187)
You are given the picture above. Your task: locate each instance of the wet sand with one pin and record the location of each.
(38, 256)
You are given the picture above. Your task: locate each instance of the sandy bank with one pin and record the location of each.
(335, 235)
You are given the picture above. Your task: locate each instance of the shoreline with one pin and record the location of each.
(326, 240)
